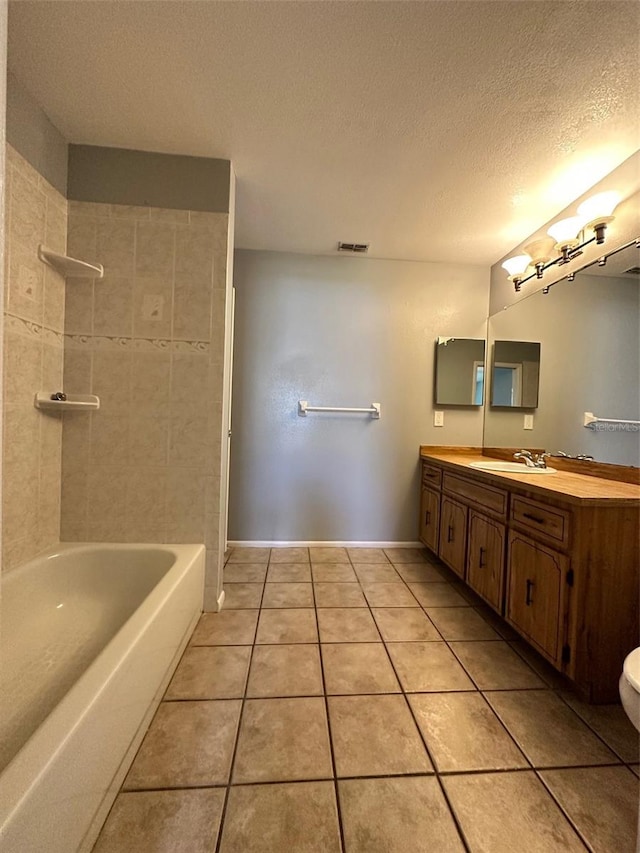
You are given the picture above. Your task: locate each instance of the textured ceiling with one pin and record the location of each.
(436, 131)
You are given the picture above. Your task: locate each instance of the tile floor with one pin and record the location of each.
(362, 700)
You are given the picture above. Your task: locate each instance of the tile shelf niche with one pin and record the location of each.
(70, 267)
(73, 403)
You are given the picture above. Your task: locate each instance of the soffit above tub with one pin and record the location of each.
(437, 131)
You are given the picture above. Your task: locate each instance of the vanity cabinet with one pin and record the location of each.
(430, 518)
(537, 578)
(453, 535)
(485, 558)
(560, 563)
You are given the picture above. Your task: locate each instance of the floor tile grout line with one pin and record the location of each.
(336, 792)
(432, 773)
(426, 747)
(567, 816)
(225, 804)
(547, 686)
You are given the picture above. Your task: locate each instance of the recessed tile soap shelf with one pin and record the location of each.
(69, 267)
(73, 403)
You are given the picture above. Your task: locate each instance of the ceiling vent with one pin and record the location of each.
(354, 248)
(632, 271)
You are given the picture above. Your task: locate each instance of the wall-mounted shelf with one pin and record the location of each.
(69, 267)
(73, 402)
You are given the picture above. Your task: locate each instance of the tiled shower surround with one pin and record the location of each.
(148, 340)
(33, 355)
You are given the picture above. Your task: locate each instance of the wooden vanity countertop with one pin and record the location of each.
(574, 488)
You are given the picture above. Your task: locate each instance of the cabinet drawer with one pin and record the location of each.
(550, 523)
(431, 476)
(485, 497)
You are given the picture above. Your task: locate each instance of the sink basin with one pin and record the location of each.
(511, 467)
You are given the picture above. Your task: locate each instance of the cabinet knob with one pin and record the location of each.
(481, 563)
(450, 533)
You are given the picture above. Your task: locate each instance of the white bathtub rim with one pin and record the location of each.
(24, 771)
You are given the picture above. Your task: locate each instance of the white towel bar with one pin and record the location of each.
(304, 407)
(590, 419)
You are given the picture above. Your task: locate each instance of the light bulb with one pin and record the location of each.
(565, 231)
(540, 251)
(597, 212)
(516, 266)
(599, 207)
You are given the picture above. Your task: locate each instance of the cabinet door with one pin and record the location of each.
(535, 597)
(453, 535)
(430, 519)
(485, 558)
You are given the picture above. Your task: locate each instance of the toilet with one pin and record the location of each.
(630, 687)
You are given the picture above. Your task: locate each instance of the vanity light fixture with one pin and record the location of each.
(541, 252)
(565, 233)
(571, 276)
(516, 268)
(602, 262)
(567, 238)
(597, 212)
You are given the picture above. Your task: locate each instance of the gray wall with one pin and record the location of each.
(121, 176)
(589, 361)
(32, 134)
(342, 332)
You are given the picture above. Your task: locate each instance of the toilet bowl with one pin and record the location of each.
(630, 687)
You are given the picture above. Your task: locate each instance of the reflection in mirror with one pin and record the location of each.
(459, 372)
(514, 374)
(589, 330)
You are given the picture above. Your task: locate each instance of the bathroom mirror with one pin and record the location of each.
(515, 372)
(459, 372)
(589, 330)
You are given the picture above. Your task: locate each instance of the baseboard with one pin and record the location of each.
(282, 543)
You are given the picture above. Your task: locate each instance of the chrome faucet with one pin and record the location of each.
(536, 460)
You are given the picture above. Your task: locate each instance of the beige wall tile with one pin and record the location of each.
(109, 439)
(77, 371)
(54, 299)
(146, 496)
(25, 282)
(107, 495)
(74, 505)
(28, 213)
(194, 253)
(55, 222)
(115, 241)
(82, 237)
(150, 380)
(152, 306)
(188, 445)
(192, 308)
(20, 499)
(22, 368)
(113, 306)
(52, 368)
(161, 214)
(21, 433)
(148, 439)
(76, 442)
(155, 245)
(190, 376)
(128, 211)
(78, 307)
(111, 380)
(186, 501)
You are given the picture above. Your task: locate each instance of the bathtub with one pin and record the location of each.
(89, 637)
